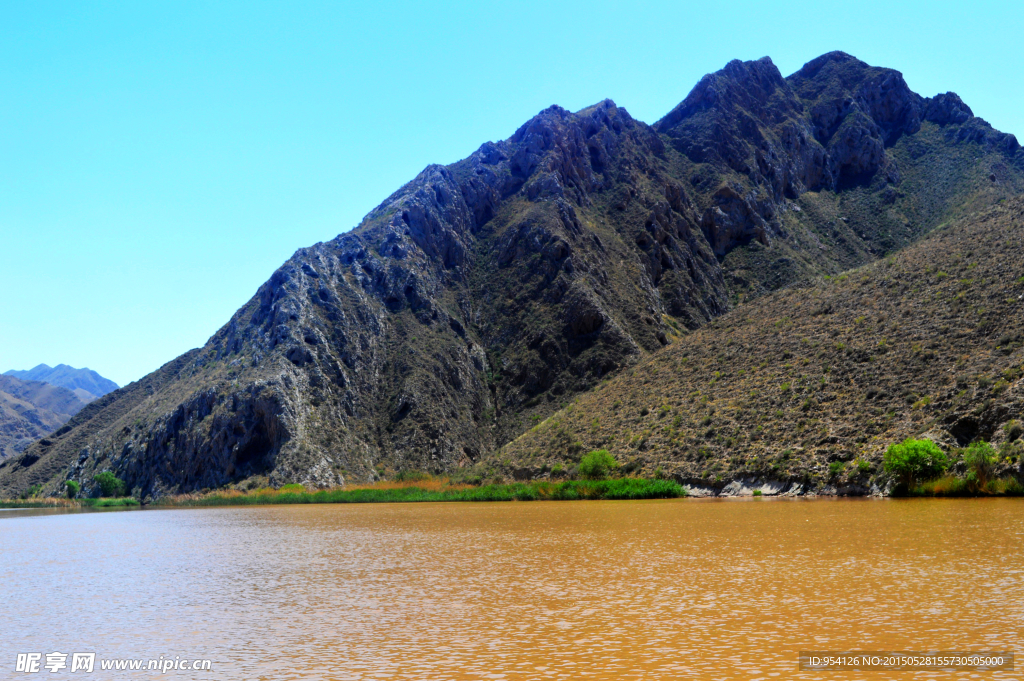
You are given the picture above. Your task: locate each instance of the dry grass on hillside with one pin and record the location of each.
(812, 384)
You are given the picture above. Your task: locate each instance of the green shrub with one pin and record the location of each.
(980, 458)
(31, 491)
(72, 488)
(914, 460)
(597, 464)
(863, 466)
(835, 468)
(294, 487)
(110, 485)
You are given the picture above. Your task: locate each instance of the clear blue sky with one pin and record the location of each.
(159, 160)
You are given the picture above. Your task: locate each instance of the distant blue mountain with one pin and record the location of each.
(68, 377)
(30, 410)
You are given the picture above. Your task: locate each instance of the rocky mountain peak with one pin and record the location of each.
(811, 68)
(485, 294)
(838, 86)
(740, 86)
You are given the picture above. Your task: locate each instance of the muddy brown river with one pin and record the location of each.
(536, 590)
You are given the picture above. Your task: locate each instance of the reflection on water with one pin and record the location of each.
(662, 589)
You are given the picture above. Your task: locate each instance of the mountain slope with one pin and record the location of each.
(85, 383)
(484, 295)
(800, 388)
(31, 409)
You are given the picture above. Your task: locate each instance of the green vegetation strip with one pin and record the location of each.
(105, 502)
(34, 503)
(627, 488)
(47, 502)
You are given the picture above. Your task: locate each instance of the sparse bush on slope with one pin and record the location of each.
(597, 465)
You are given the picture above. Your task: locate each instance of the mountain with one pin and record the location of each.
(484, 296)
(31, 409)
(85, 383)
(809, 386)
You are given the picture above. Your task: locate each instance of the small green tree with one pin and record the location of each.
(72, 488)
(913, 460)
(597, 464)
(110, 485)
(980, 458)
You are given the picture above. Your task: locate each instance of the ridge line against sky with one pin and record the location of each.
(159, 162)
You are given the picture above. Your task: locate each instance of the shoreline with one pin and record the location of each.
(434, 491)
(444, 490)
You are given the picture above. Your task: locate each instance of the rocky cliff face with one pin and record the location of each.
(483, 295)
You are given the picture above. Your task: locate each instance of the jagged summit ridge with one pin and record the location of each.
(829, 123)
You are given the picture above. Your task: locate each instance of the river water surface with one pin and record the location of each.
(522, 590)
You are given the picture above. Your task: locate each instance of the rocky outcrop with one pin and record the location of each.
(732, 221)
(947, 108)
